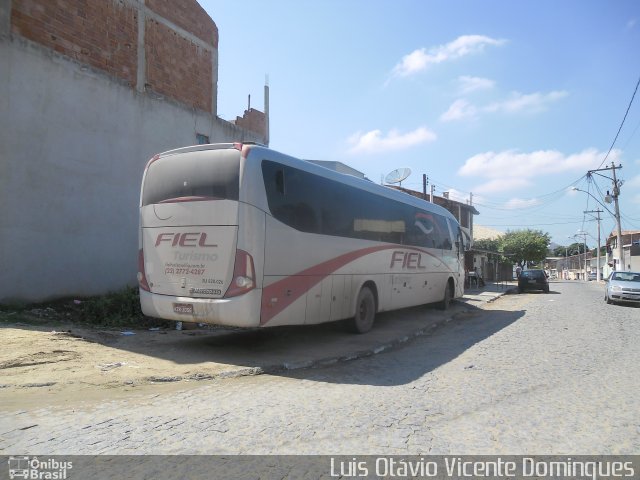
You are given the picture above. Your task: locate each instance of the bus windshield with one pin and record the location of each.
(206, 175)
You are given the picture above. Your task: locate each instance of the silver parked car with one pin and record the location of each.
(623, 287)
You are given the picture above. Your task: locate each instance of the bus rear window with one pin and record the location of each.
(203, 175)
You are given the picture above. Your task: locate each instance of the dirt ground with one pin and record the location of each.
(48, 354)
(68, 357)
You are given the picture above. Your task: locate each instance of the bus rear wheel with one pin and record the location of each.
(362, 321)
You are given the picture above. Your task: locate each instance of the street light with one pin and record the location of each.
(570, 264)
(582, 234)
(618, 230)
(598, 272)
(576, 189)
(584, 249)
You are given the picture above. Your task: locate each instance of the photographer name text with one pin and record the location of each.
(459, 467)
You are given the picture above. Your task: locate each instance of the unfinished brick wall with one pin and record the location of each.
(100, 33)
(253, 120)
(178, 64)
(189, 16)
(177, 68)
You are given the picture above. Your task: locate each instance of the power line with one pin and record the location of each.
(625, 117)
(500, 205)
(529, 224)
(631, 136)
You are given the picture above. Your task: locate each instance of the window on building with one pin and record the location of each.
(202, 139)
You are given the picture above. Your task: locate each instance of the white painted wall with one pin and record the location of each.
(73, 146)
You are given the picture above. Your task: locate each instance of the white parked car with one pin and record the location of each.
(623, 287)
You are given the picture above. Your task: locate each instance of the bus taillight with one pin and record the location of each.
(142, 277)
(243, 275)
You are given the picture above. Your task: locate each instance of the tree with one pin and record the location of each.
(488, 244)
(572, 249)
(493, 247)
(524, 246)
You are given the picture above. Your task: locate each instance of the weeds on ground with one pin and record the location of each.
(117, 309)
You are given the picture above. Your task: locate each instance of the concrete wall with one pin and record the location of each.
(74, 140)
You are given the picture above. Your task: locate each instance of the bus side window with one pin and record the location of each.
(280, 188)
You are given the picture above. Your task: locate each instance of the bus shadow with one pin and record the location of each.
(402, 346)
(419, 354)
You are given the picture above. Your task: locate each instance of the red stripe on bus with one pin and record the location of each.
(281, 294)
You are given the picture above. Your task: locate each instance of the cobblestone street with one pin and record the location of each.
(550, 373)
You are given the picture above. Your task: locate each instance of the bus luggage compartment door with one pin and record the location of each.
(340, 296)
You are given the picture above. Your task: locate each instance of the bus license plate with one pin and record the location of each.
(186, 308)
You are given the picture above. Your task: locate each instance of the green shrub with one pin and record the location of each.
(115, 309)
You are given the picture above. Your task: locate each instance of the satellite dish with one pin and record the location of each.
(398, 175)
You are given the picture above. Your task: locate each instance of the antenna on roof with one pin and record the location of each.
(266, 109)
(398, 175)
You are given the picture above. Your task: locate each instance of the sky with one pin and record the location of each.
(505, 103)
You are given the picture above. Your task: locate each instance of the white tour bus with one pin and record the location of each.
(241, 235)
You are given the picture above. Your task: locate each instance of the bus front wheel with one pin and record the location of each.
(365, 311)
(448, 296)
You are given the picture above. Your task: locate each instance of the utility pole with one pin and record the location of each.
(598, 212)
(433, 188)
(471, 216)
(616, 193)
(425, 180)
(584, 249)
